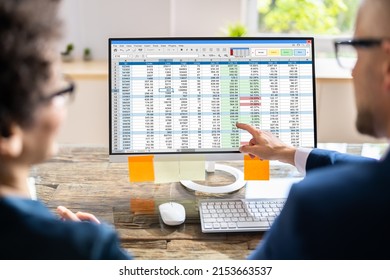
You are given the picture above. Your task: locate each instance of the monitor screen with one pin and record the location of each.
(184, 95)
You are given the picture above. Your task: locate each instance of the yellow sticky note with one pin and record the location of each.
(192, 167)
(166, 169)
(141, 168)
(255, 169)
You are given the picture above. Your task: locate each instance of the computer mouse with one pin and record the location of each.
(172, 213)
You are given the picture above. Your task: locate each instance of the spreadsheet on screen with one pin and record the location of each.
(185, 95)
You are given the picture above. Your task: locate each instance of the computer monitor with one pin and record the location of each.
(180, 96)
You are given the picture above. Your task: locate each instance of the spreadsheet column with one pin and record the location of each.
(306, 109)
(195, 104)
(254, 94)
(289, 103)
(123, 107)
(216, 105)
(211, 85)
(207, 107)
(269, 88)
(143, 106)
(166, 109)
(230, 106)
(116, 105)
(181, 106)
(249, 99)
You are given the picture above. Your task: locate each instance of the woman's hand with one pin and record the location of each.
(66, 214)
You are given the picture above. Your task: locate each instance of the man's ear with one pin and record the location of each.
(386, 69)
(12, 144)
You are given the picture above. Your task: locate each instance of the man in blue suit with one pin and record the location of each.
(341, 209)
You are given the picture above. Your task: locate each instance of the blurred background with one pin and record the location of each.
(89, 23)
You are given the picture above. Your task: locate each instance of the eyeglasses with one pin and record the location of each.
(346, 51)
(67, 92)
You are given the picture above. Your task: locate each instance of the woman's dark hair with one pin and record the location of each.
(27, 31)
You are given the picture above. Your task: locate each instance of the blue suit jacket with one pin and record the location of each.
(28, 230)
(340, 210)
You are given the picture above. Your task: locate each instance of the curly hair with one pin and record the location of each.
(27, 30)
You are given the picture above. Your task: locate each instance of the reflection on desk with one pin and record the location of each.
(82, 179)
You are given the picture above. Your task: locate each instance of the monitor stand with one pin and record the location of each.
(211, 167)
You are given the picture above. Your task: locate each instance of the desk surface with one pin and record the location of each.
(82, 179)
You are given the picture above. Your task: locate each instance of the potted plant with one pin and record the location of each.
(87, 56)
(236, 30)
(67, 55)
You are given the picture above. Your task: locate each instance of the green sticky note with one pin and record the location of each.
(166, 169)
(192, 167)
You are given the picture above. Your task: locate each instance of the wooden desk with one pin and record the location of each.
(82, 179)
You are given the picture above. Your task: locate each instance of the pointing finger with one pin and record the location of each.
(248, 128)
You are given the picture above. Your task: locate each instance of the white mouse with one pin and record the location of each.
(172, 213)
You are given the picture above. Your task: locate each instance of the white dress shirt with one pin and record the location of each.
(300, 159)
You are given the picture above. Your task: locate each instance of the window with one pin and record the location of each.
(323, 19)
(331, 17)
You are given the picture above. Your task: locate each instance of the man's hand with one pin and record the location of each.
(66, 214)
(267, 146)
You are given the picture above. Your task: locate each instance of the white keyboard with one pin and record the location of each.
(238, 215)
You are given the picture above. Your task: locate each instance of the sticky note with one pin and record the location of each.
(140, 205)
(255, 169)
(141, 168)
(192, 167)
(166, 169)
